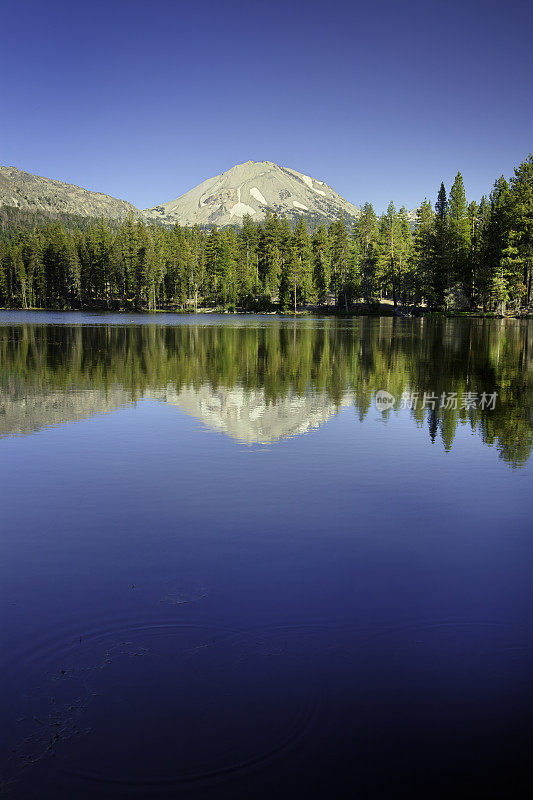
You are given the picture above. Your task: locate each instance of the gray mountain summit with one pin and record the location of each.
(252, 188)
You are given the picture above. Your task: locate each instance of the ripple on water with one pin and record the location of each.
(136, 706)
(160, 704)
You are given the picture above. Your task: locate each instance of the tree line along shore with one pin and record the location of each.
(457, 256)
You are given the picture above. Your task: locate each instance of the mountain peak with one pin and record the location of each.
(250, 189)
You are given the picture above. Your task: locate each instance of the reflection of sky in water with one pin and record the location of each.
(191, 613)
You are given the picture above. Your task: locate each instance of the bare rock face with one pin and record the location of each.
(33, 193)
(252, 188)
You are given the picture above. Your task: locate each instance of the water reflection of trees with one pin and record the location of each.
(335, 356)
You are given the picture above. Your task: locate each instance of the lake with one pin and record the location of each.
(257, 557)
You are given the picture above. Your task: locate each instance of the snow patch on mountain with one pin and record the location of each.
(254, 191)
(309, 181)
(240, 209)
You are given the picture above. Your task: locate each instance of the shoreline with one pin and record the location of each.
(387, 311)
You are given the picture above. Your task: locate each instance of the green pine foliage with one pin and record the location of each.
(459, 233)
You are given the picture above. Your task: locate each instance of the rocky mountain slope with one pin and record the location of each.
(251, 188)
(34, 193)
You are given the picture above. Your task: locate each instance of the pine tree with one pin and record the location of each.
(441, 250)
(224, 287)
(459, 234)
(302, 251)
(340, 262)
(423, 253)
(212, 246)
(271, 260)
(288, 266)
(367, 234)
(406, 281)
(197, 265)
(482, 262)
(176, 277)
(521, 223)
(5, 257)
(128, 246)
(35, 271)
(390, 249)
(72, 272)
(20, 273)
(321, 263)
(249, 242)
(161, 260)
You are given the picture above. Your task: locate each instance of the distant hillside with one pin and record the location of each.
(12, 218)
(34, 193)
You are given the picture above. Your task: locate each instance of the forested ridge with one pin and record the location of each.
(459, 255)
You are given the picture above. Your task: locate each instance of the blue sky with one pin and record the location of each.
(382, 100)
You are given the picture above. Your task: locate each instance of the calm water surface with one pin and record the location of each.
(225, 573)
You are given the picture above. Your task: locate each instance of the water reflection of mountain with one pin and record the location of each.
(29, 413)
(260, 384)
(246, 415)
(243, 414)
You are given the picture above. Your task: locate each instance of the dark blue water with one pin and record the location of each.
(225, 573)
